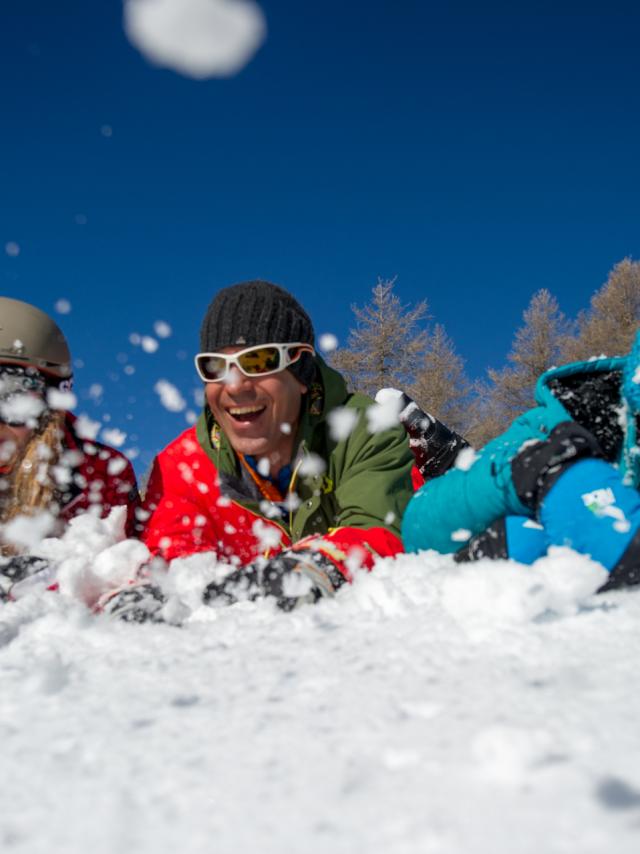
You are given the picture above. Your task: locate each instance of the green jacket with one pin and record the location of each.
(367, 477)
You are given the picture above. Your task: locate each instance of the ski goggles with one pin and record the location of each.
(22, 397)
(257, 361)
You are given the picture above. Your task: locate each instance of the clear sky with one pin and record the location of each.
(477, 151)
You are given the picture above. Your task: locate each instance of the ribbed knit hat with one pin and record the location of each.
(258, 312)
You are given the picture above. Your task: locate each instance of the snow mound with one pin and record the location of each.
(427, 707)
(197, 38)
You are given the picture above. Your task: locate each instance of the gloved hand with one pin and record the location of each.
(434, 446)
(16, 569)
(138, 603)
(292, 578)
(540, 463)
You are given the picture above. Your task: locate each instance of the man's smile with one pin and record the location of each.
(245, 413)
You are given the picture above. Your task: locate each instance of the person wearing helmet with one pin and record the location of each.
(45, 466)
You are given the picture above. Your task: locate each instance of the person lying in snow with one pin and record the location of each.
(281, 476)
(565, 473)
(45, 467)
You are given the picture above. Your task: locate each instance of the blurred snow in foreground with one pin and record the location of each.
(197, 38)
(428, 707)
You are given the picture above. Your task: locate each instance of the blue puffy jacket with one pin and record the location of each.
(603, 395)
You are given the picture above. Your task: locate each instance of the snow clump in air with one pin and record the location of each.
(114, 437)
(63, 306)
(196, 38)
(169, 396)
(385, 412)
(162, 329)
(149, 344)
(58, 399)
(12, 249)
(328, 342)
(341, 420)
(86, 428)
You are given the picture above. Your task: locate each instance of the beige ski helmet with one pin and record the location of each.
(28, 336)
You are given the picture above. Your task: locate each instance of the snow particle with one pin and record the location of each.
(341, 420)
(162, 329)
(328, 342)
(149, 344)
(114, 437)
(12, 249)
(169, 396)
(63, 306)
(197, 38)
(106, 131)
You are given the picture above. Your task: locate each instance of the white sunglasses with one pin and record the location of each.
(257, 361)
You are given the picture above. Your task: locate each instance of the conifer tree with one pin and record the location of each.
(535, 349)
(441, 386)
(610, 324)
(386, 344)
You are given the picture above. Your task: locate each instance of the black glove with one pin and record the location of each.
(139, 603)
(538, 465)
(15, 569)
(292, 578)
(434, 446)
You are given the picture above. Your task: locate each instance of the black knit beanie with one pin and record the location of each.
(258, 312)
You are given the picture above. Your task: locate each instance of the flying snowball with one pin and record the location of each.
(328, 342)
(63, 306)
(162, 329)
(197, 38)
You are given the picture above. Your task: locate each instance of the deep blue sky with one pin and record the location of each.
(478, 151)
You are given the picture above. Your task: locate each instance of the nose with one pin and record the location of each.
(236, 381)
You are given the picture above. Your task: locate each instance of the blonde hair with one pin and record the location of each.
(30, 487)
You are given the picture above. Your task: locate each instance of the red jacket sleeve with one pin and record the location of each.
(175, 521)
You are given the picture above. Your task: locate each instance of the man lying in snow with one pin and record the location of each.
(565, 473)
(282, 476)
(46, 469)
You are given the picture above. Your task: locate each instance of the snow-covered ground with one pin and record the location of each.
(427, 708)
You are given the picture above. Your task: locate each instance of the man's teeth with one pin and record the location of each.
(244, 410)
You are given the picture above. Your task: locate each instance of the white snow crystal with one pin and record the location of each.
(28, 531)
(169, 396)
(162, 329)
(107, 131)
(25, 408)
(341, 420)
(61, 399)
(328, 342)
(63, 306)
(461, 535)
(312, 465)
(385, 412)
(86, 428)
(116, 466)
(114, 437)
(465, 459)
(268, 536)
(12, 249)
(197, 38)
(149, 344)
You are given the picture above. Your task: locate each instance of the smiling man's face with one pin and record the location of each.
(251, 412)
